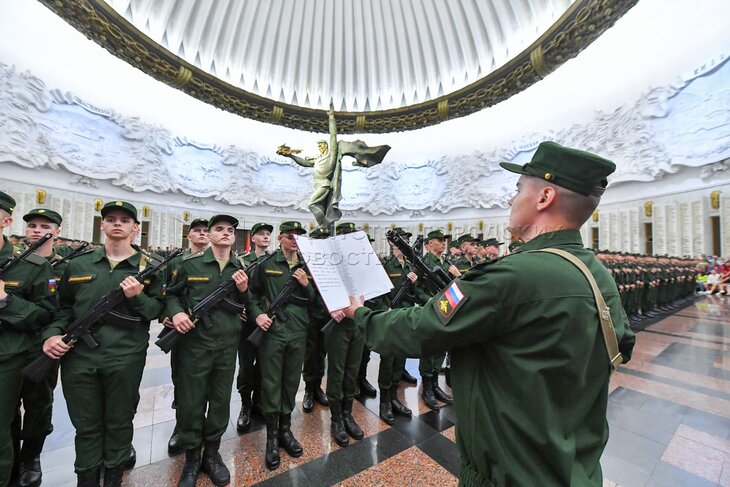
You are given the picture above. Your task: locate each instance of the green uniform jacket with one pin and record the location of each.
(463, 264)
(398, 274)
(85, 281)
(32, 287)
(529, 366)
(265, 284)
(196, 276)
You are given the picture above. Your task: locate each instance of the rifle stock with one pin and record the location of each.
(10, 264)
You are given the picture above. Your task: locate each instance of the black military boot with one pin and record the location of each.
(90, 478)
(308, 401)
(272, 443)
(286, 437)
(29, 460)
(440, 393)
(427, 395)
(386, 411)
(396, 406)
(352, 428)
(366, 388)
(337, 427)
(408, 378)
(131, 460)
(191, 469)
(244, 418)
(213, 464)
(113, 477)
(173, 445)
(320, 396)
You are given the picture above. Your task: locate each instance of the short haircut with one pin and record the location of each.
(575, 207)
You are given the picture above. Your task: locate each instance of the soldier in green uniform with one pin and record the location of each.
(314, 357)
(248, 382)
(207, 353)
(199, 240)
(37, 398)
(27, 300)
(392, 367)
(491, 246)
(454, 252)
(531, 387)
(281, 353)
(468, 245)
(429, 366)
(344, 345)
(101, 385)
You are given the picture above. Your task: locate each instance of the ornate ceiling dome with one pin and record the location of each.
(387, 65)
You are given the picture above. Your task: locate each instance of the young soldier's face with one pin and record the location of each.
(287, 242)
(38, 227)
(198, 235)
(222, 234)
(396, 252)
(118, 225)
(455, 251)
(437, 245)
(5, 220)
(492, 251)
(469, 248)
(262, 239)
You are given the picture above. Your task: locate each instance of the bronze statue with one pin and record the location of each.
(327, 177)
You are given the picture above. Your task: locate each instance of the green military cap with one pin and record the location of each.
(453, 244)
(222, 218)
(402, 232)
(292, 227)
(7, 202)
(347, 227)
(127, 208)
(436, 234)
(199, 222)
(261, 226)
(319, 232)
(576, 170)
(491, 242)
(467, 237)
(43, 213)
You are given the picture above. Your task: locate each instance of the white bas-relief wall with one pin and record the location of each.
(675, 137)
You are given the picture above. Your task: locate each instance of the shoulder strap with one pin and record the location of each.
(604, 313)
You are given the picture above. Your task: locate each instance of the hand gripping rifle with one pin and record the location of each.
(18, 258)
(434, 279)
(81, 327)
(169, 336)
(71, 255)
(280, 302)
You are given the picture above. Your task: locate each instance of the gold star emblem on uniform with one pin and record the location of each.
(444, 305)
(119, 203)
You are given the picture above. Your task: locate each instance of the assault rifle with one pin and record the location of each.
(169, 336)
(18, 258)
(71, 255)
(81, 327)
(277, 306)
(434, 279)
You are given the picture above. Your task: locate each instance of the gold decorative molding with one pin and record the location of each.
(40, 196)
(648, 208)
(186, 215)
(98, 204)
(582, 23)
(715, 200)
(146, 211)
(595, 216)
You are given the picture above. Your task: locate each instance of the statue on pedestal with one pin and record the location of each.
(327, 177)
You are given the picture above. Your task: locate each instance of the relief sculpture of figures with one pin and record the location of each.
(327, 178)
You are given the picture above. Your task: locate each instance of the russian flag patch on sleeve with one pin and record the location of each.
(448, 302)
(52, 286)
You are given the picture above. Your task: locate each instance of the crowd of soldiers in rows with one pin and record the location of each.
(43, 296)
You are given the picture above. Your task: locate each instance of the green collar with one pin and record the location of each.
(6, 251)
(208, 257)
(100, 254)
(552, 239)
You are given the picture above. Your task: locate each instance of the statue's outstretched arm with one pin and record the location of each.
(302, 161)
(333, 127)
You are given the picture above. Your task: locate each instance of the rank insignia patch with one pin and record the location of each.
(52, 286)
(448, 302)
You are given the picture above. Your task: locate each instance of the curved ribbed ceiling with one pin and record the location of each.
(366, 55)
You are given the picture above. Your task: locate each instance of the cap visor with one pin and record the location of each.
(515, 168)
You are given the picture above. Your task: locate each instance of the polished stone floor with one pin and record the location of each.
(669, 414)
